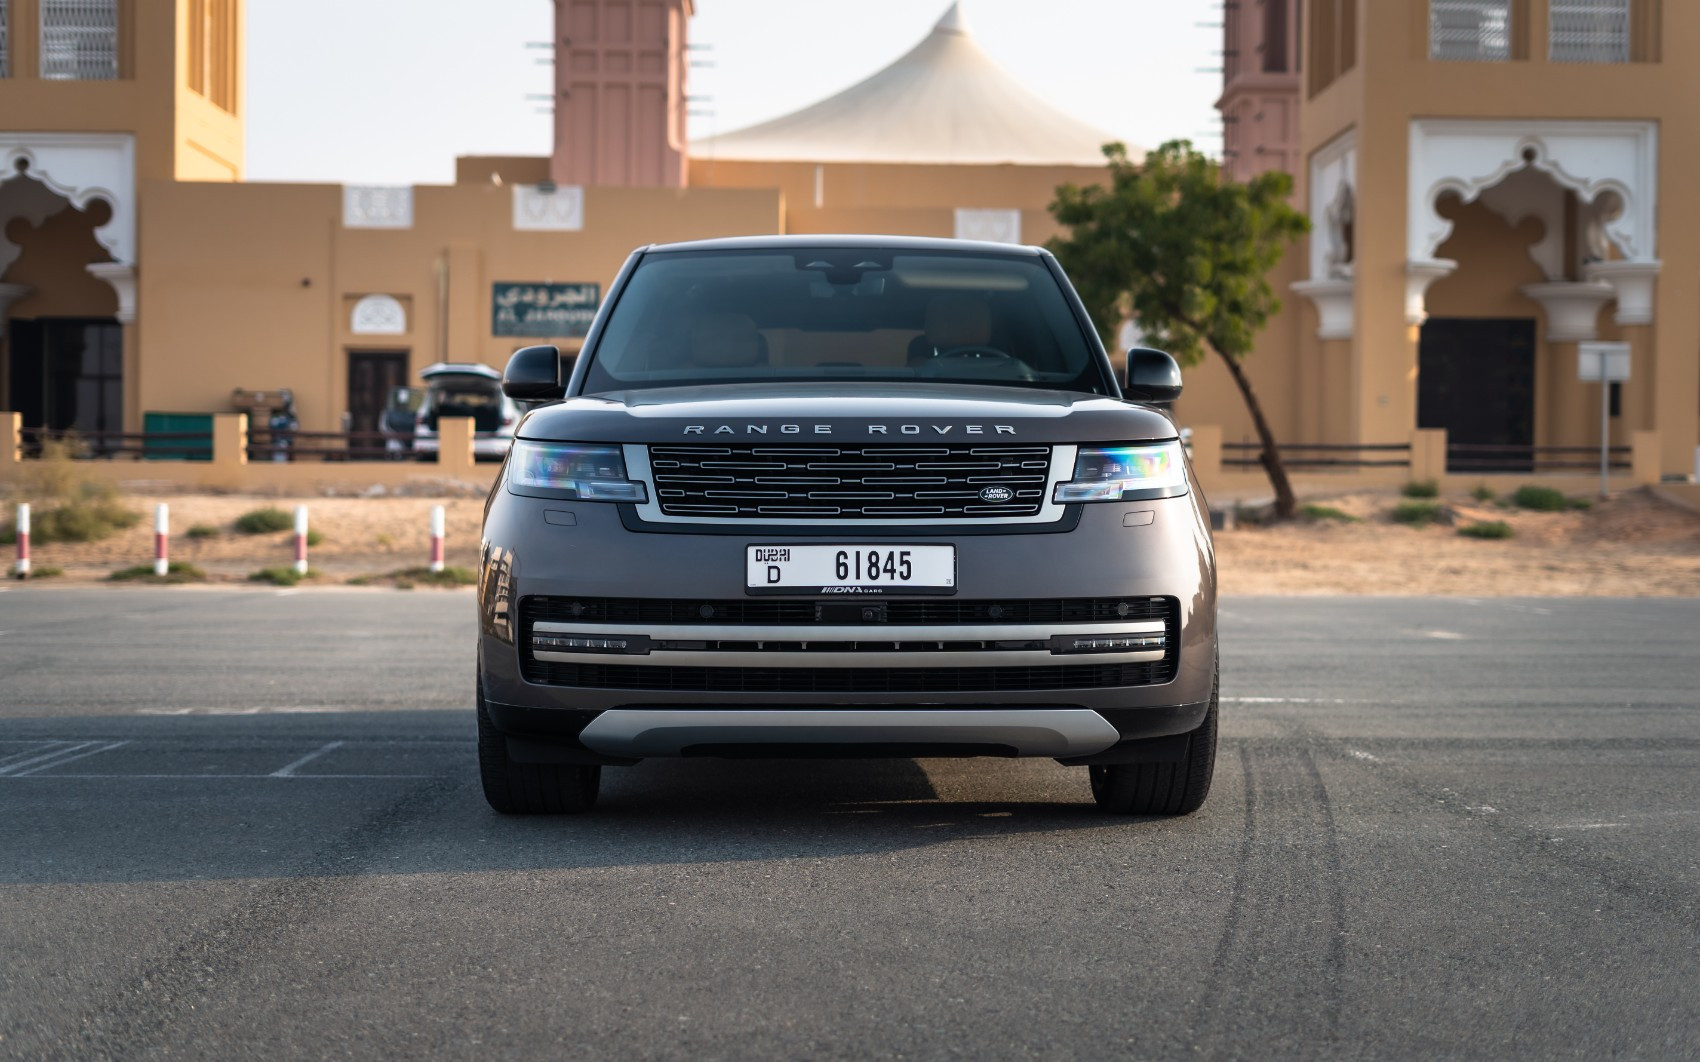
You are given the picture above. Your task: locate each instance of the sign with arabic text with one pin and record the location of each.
(543, 310)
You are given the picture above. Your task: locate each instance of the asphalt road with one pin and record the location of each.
(247, 823)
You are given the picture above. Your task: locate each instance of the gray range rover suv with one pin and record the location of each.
(845, 496)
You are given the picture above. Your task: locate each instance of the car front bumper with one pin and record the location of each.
(779, 691)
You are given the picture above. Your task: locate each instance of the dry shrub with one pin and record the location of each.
(67, 503)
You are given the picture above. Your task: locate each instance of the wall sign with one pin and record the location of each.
(543, 310)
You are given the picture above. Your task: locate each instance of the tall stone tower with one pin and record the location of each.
(620, 92)
(1260, 87)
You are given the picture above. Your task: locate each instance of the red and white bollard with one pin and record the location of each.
(301, 540)
(23, 540)
(161, 539)
(437, 522)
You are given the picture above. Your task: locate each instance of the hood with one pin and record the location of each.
(815, 413)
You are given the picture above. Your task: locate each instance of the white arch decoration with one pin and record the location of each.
(1589, 158)
(1333, 176)
(378, 315)
(1597, 160)
(84, 167)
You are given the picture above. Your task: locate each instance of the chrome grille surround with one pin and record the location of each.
(873, 484)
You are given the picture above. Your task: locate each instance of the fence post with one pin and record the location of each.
(437, 522)
(162, 539)
(11, 438)
(1644, 457)
(301, 540)
(230, 439)
(454, 446)
(23, 539)
(1428, 454)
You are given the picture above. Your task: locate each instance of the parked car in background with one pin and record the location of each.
(466, 389)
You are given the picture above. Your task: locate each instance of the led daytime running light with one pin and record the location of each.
(1105, 473)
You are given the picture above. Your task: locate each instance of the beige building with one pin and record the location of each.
(131, 284)
(1484, 177)
(1492, 184)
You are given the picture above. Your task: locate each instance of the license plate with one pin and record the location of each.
(850, 570)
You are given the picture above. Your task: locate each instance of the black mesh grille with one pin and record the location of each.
(850, 482)
(898, 612)
(617, 676)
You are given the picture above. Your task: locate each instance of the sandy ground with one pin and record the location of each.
(1632, 545)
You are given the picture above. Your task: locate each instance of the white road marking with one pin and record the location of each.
(1588, 825)
(45, 756)
(1485, 809)
(287, 593)
(36, 746)
(1360, 754)
(1533, 610)
(1290, 700)
(1450, 636)
(288, 709)
(69, 759)
(289, 770)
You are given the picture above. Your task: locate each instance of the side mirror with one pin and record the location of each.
(534, 375)
(1152, 376)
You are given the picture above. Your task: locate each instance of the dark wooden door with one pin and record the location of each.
(1476, 379)
(67, 374)
(371, 375)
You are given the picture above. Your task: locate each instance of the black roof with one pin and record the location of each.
(926, 244)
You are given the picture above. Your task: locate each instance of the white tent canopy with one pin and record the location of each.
(946, 101)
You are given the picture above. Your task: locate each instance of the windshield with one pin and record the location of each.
(842, 314)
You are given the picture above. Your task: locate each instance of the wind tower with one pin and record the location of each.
(1260, 87)
(620, 92)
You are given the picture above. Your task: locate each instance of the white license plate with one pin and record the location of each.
(850, 570)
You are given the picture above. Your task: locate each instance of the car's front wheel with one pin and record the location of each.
(1176, 788)
(514, 788)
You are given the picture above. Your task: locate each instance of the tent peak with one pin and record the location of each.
(953, 21)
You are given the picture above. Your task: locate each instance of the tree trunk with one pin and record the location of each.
(1285, 504)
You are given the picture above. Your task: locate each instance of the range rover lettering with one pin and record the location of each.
(848, 497)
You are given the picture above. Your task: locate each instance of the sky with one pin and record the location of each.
(390, 91)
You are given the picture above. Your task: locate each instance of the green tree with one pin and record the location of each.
(1187, 252)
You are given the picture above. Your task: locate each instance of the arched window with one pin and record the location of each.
(378, 315)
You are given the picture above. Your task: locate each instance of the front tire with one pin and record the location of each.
(514, 788)
(1177, 788)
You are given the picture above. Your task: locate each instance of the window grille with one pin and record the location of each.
(5, 40)
(79, 40)
(1470, 30)
(1590, 31)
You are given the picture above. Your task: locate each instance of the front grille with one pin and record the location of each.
(850, 482)
(846, 680)
(803, 613)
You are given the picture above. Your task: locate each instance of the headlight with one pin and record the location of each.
(1106, 473)
(572, 470)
